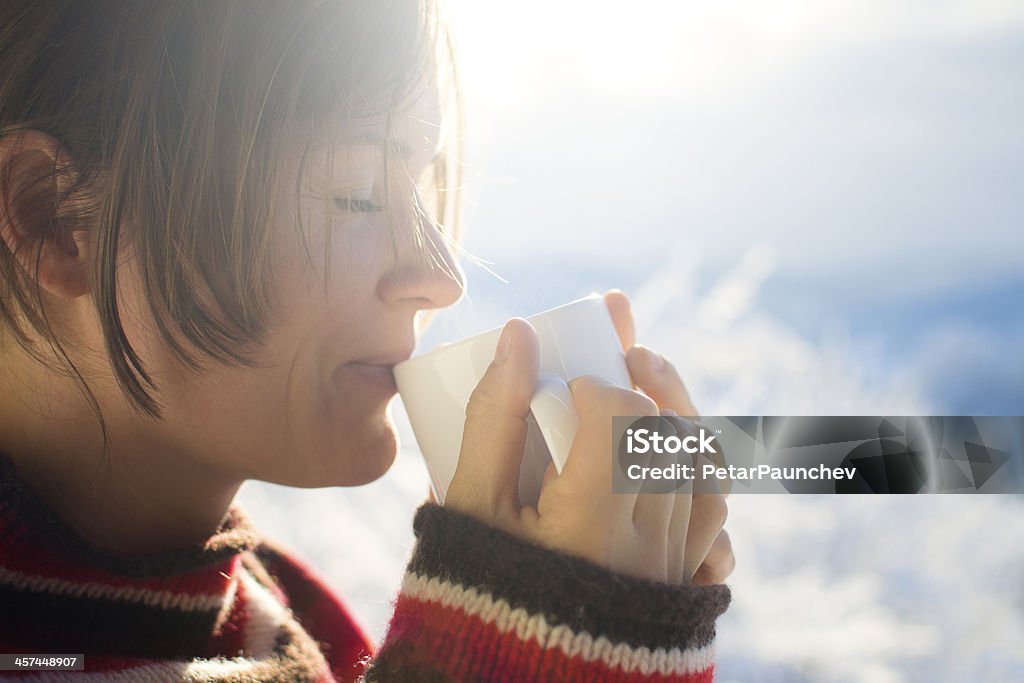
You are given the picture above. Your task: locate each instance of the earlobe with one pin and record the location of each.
(34, 227)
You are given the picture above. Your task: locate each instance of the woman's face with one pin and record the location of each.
(314, 413)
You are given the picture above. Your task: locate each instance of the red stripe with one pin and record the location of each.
(36, 559)
(480, 650)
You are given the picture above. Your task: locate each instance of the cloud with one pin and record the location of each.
(885, 151)
(979, 371)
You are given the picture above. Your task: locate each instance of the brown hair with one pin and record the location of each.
(176, 117)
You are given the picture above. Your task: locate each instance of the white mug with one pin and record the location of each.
(576, 339)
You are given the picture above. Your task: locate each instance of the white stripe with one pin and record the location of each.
(165, 599)
(267, 616)
(527, 627)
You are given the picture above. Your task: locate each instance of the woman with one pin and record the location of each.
(222, 223)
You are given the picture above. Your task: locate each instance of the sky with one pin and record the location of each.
(873, 150)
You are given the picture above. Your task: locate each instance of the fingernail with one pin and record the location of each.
(655, 361)
(668, 412)
(504, 346)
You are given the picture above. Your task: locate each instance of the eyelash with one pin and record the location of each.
(358, 205)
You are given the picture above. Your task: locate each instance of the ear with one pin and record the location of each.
(35, 214)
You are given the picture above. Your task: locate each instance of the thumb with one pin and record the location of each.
(487, 477)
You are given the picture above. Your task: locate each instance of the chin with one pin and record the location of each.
(366, 454)
(350, 451)
(370, 465)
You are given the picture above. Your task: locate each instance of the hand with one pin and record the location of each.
(653, 536)
(652, 373)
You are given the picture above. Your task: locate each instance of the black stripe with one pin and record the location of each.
(565, 589)
(48, 622)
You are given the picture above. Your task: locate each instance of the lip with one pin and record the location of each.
(389, 359)
(375, 373)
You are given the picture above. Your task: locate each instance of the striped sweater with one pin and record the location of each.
(475, 604)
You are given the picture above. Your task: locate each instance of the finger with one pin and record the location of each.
(550, 473)
(678, 530)
(719, 563)
(530, 513)
(618, 306)
(495, 428)
(586, 476)
(657, 377)
(652, 513)
(718, 459)
(708, 512)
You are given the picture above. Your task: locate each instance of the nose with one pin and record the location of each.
(426, 273)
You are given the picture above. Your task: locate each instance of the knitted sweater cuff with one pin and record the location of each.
(480, 604)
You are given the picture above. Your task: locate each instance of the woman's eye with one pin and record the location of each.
(358, 205)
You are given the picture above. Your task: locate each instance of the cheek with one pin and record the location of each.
(320, 296)
(333, 297)
(357, 258)
(335, 431)
(336, 242)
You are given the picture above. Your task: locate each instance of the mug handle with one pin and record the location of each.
(555, 413)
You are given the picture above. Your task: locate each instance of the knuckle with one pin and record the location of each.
(631, 402)
(594, 393)
(720, 510)
(589, 391)
(726, 542)
(713, 509)
(685, 425)
(730, 562)
(586, 386)
(483, 401)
